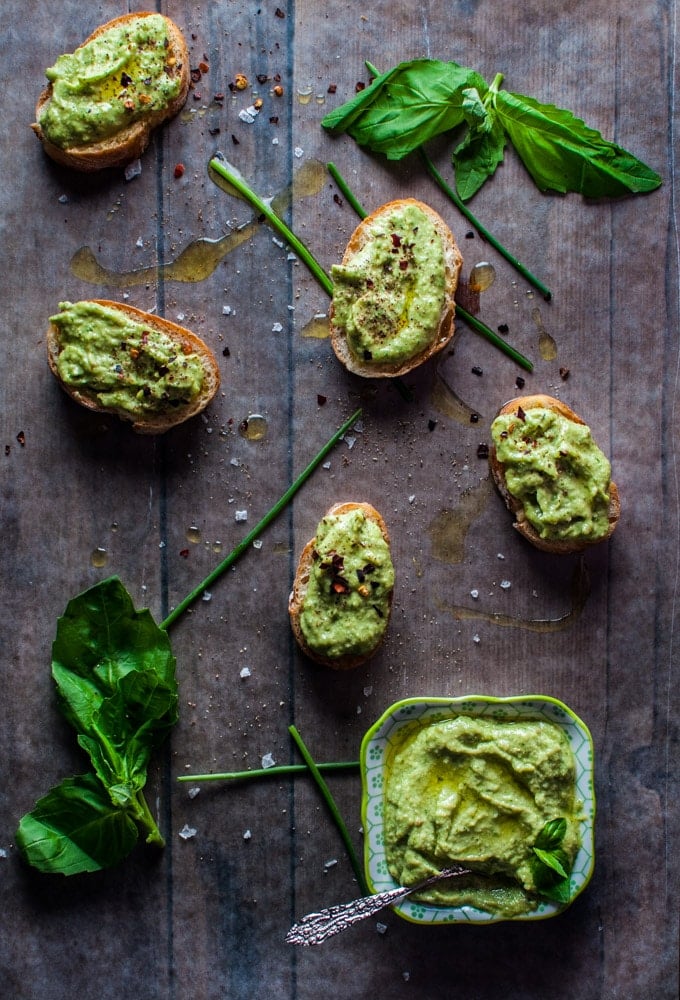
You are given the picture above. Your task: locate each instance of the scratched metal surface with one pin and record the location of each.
(207, 916)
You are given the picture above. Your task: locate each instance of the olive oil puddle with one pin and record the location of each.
(199, 259)
(579, 592)
(449, 528)
(546, 344)
(448, 402)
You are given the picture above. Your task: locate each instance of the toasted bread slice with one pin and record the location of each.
(297, 596)
(560, 546)
(163, 417)
(131, 141)
(442, 330)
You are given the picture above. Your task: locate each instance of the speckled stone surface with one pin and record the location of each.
(84, 498)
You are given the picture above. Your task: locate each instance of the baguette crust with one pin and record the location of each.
(129, 143)
(558, 546)
(453, 262)
(156, 423)
(297, 594)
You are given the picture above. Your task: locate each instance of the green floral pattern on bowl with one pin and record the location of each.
(428, 710)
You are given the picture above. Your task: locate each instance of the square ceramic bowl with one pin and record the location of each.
(424, 711)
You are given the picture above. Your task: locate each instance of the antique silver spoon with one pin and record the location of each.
(316, 927)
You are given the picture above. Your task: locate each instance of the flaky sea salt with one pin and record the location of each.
(506, 584)
(244, 672)
(268, 760)
(241, 515)
(187, 832)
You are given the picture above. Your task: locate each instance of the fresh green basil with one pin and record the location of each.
(115, 677)
(417, 100)
(552, 867)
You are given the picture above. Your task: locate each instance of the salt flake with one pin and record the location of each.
(268, 760)
(187, 832)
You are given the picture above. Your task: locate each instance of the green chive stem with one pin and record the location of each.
(281, 503)
(471, 320)
(330, 802)
(483, 232)
(278, 771)
(472, 219)
(236, 181)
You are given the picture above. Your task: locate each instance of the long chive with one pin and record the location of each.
(264, 523)
(475, 323)
(278, 771)
(233, 178)
(334, 811)
(472, 219)
(483, 232)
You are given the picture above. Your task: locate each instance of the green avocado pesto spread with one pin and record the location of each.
(110, 82)
(556, 471)
(477, 791)
(389, 296)
(347, 601)
(125, 364)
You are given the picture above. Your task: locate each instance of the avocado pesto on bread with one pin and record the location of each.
(341, 599)
(551, 475)
(114, 358)
(393, 293)
(104, 99)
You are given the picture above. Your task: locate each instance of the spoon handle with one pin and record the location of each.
(316, 927)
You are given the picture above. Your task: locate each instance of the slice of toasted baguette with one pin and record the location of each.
(297, 595)
(440, 336)
(129, 143)
(558, 546)
(162, 420)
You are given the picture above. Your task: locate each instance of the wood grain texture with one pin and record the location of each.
(207, 917)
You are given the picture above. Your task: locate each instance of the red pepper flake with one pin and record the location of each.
(469, 235)
(218, 98)
(520, 382)
(564, 374)
(521, 415)
(403, 265)
(476, 370)
(235, 141)
(338, 200)
(321, 399)
(503, 328)
(332, 88)
(21, 438)
(396, 240)
(262, 78)
(8, 449)
(179, 170)
(184, 553)
(359, 86)
(482, 451)
(196, 75)
(203, 66)
(279, 13)
(274, 120)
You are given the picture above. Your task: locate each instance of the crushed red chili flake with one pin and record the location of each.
(476, 370)
(226, 352)
(396, 240)
(203, 66)
(338, 200)
(403, 265)
(214, 131)
(274, 120)
(235, 141)
(184, 553)
(179, 170)
(482, 450)
(196, 75)
(503, 328)
(521, 415)
(359, 86)
(332, 88)
(8, 449)
(279, 13)
(564, 374)
(520, 382)
(262, 78)
(321, 399)
(21, 438)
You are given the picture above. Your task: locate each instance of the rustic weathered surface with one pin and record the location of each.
(207, 917)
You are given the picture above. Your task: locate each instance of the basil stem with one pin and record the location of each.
(471, 320)
(278, 771)
(464, 210)
(280, 504)
(236, 181)
(335, 812)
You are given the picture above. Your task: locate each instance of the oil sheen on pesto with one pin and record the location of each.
(557, 472)
(127, 365)
(388, 298)
(477, 791)
(346, 605)
(110, 82)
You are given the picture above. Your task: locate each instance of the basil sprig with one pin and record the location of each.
(115, 677)
(417, 100)
(551, 865)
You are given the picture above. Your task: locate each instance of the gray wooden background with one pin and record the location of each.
(83, 498)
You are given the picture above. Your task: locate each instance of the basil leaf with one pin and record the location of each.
(481, 151)
(75, 828)
(552, 859)
(406, 106)
(552, 834)
(563, 154)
